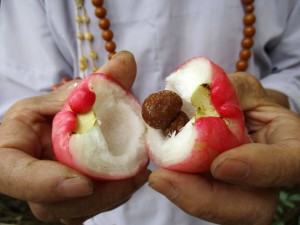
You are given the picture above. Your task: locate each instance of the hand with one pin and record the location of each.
(250, 173)
(28, 167)
(274, 159)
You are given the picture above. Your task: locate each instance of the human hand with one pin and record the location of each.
(274, 159)
(250, 173)
(28, 167)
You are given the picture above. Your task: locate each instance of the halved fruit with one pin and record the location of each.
(100, 131)
(215, 119)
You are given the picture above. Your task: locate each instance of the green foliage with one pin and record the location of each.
(16, 212)
(288, 208)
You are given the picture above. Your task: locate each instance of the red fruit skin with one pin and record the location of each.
(80, 101)
(214, 137)
(214, 134)
(63, 125)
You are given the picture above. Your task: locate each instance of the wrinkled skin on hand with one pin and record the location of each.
(242, 187)
(30, 172)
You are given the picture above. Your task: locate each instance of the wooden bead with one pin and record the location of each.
(247, 43)
(110, 55)
(78, 19)
(248, 2)
(245, 54)
(85, 19)
(104, 24)
(100, 12)
(107, 35)
(97, 3)
(54, 87)
(110, 46)
(249, 31)
(88, 37)
(93, 55)
(249, 8)
(82, 67)
(83, 60)
(241, 65)
(80, 36)
(65, 80)
(249, 19)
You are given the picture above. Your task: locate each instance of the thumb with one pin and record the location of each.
(273, 161)
(259, 165)
(249, 90)
(122, 67)
(215, 201)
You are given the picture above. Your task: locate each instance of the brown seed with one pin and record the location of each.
(177, 124)
(161, 108)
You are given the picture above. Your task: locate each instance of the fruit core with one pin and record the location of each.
(85, 122)
(201, 101)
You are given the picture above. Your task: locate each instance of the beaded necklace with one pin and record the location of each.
(84, 34)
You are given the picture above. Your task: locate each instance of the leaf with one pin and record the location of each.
(283, 196)
(280, 209)
(278, 222)
(294, 198)
(289, 204)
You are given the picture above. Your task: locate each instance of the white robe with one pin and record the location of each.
(38, 47)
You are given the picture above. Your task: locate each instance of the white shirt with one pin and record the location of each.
(38, 47)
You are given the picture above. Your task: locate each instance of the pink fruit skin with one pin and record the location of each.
(214, 136)
(80, 100)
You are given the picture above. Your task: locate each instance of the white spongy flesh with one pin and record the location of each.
(115, 144)
(187, 78)
(184, 81)
(174, 149)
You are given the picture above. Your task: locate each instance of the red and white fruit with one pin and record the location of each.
(216, 121)
(100, 131)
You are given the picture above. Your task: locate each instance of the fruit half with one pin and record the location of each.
(216, 121)
(100, 131)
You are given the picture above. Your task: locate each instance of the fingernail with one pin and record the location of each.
(75, 187)
(231, 170)
(122, 52)
(164, 187)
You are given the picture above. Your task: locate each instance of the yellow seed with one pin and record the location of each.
(85, 122)
(95, 69)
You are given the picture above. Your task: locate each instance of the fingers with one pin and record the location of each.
(44, 106)
(201, 198)
(249, 91)
(272, 124)
(106, 196)
(24, 177)
(274, 162)
(259, 165)
(122, 67)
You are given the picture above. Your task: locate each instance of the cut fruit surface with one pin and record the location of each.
(107, 140)
(216, 122)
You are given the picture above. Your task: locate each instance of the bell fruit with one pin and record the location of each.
(100, 131)
(194, 119)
